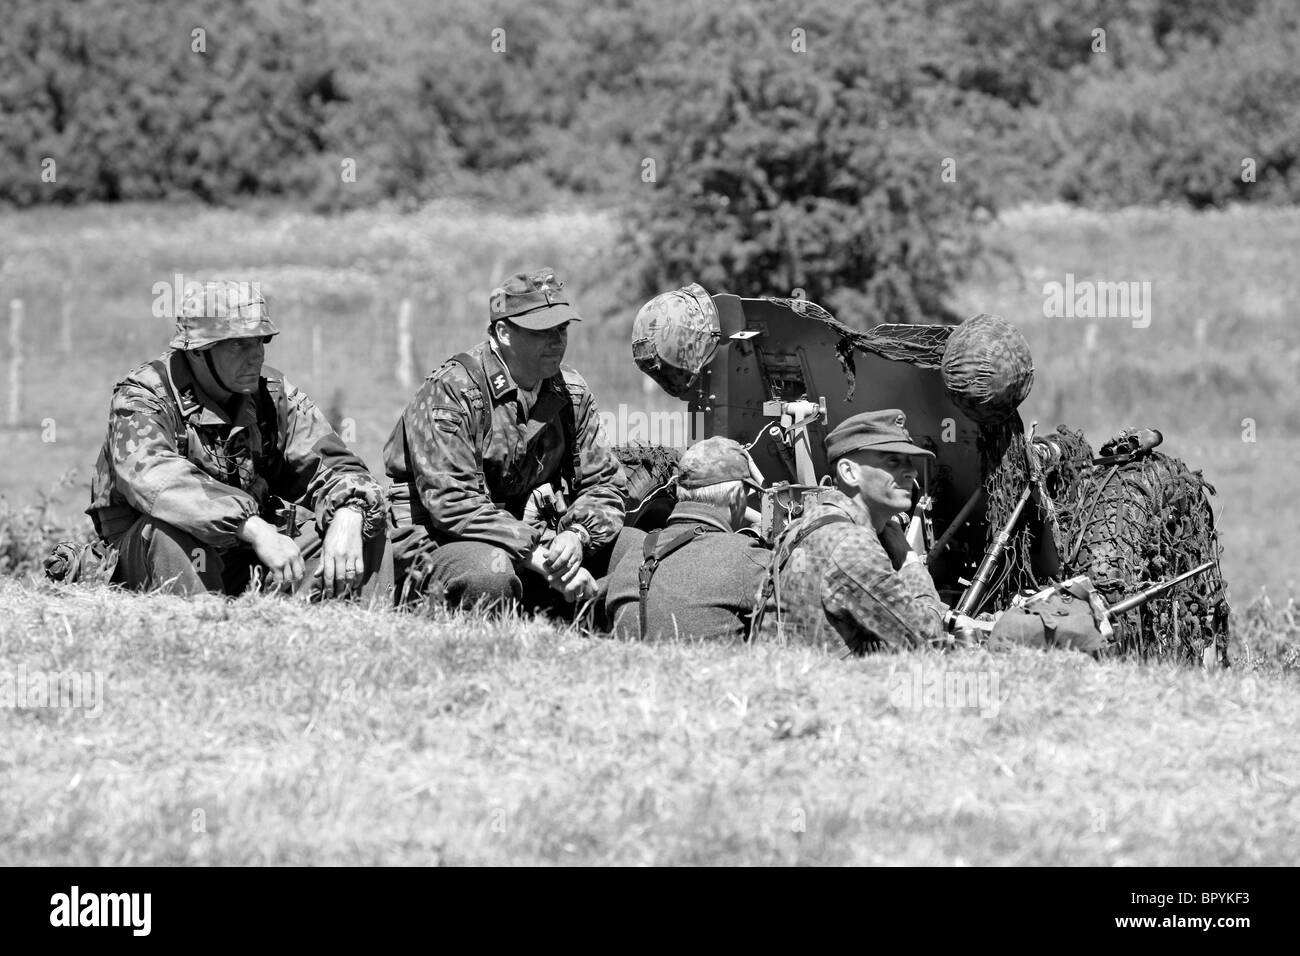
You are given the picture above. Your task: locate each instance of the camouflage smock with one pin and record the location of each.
(464, 482)
(841, 581)
(173, 454)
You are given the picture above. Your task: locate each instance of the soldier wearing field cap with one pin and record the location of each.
(215, 465)
(846, 569)
(503, 492)
(698, 577)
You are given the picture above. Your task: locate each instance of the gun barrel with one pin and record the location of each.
(1142, 597)
(971, 598)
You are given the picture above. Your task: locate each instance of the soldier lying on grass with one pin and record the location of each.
(208, 454)
(698, 577)
(849, 570)
(503, 492)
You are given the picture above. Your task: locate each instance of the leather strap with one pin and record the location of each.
(780, 558)
(651, 556)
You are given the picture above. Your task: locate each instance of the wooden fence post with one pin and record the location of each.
(404, 359)
(15, 361)
(316, 377)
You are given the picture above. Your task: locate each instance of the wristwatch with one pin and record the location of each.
(583, 535)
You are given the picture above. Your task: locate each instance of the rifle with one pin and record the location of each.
(1127, 604)
(975, 592)
(1112, 613)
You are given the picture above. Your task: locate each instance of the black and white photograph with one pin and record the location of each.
(650, 433)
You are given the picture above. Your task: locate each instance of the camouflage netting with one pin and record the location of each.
(1005, 466)
(1129, 526)
(648, 468)
(919, 345)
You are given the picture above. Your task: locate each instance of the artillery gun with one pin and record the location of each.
(1006, 512)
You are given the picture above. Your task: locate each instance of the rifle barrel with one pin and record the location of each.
(1137, 600)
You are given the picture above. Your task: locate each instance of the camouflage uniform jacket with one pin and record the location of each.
(173, 454)
(464, 481)
(841, 577)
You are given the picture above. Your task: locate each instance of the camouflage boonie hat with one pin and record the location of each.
(987, 368)
(212, 312)
(674, 336)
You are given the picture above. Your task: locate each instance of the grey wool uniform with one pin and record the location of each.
(704, 589)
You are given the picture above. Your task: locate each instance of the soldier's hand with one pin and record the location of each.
(341, 563)
(916, 533)
(579, 587)
(275, 550)
(564, 555)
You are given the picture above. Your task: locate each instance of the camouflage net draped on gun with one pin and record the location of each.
(919, 345)
(1131, 525)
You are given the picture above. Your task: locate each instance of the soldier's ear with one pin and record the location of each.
(846, 471)
(501, 329)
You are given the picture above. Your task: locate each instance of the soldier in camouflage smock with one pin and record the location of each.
(503, 491)
(210, 455)
(851, 572)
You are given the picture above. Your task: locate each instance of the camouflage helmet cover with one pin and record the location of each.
(674, 336)
(987, 368)
(212, 312)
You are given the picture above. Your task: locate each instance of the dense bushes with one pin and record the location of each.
(119, 98)
(775, 169)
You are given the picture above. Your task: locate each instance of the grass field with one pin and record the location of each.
(264, 731)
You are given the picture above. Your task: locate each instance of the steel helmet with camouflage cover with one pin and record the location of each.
(674, 336)
(212, 312)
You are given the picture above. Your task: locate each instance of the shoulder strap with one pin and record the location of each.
(181, 437)
(270, 404)
(569, 423)
(780, 558)
(474, 370)
(651, 556)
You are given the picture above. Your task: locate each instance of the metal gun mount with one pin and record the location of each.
(782, 375)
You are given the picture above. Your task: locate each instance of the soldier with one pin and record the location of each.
(202, 442)
(847, 566)
(698, 577)
(502, 488)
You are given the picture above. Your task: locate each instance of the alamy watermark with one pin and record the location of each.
(1085, 299)
(927, 687)
(214, 299)
(75, 690)
(675, 429)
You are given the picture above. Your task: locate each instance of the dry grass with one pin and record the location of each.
(263, 731)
